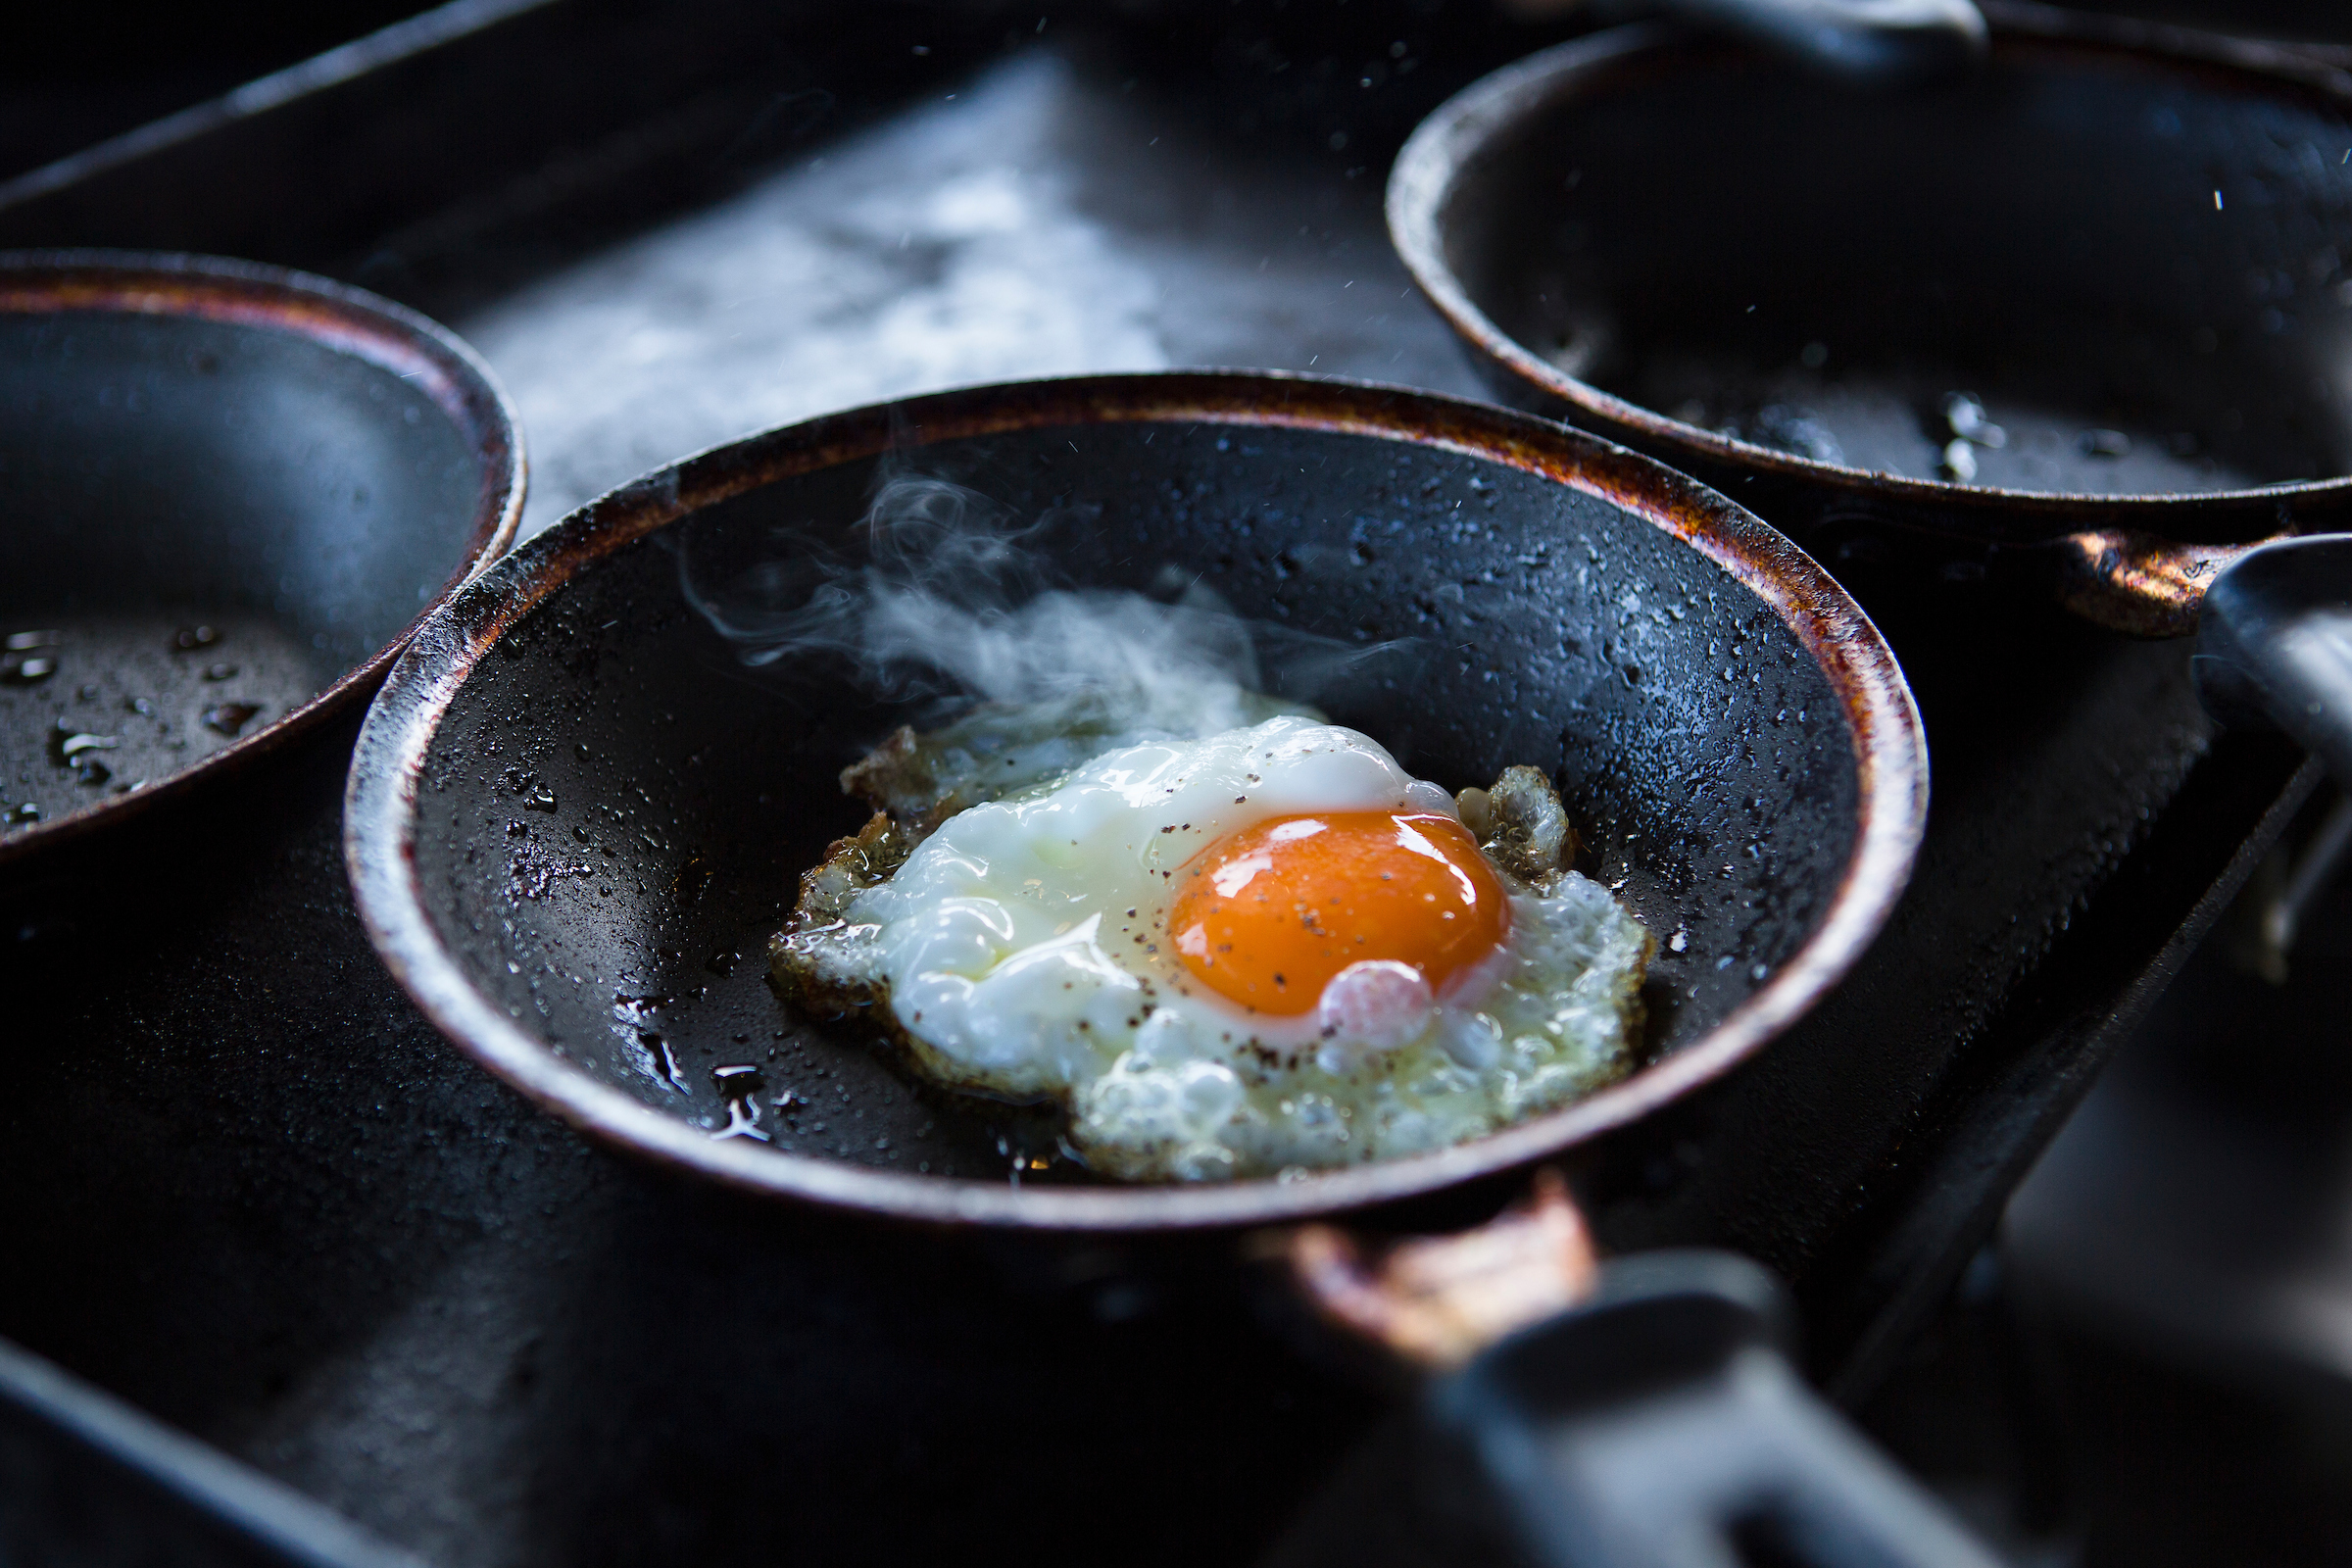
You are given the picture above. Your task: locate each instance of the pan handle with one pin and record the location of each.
(1632, 1414)
(1864, 43)
(2274, 644)
(1659, 1425)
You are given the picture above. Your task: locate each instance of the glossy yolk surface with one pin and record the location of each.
(1266, 915)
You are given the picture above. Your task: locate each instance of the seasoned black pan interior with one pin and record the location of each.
(2139, 266)
(612, 811)
(225, 496)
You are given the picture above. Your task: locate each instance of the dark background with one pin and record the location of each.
(73, 75)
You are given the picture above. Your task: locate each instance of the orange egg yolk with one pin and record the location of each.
(1266, 915)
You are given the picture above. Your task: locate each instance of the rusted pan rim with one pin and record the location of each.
(347, 321)
(1459, 134)
(1888, 750)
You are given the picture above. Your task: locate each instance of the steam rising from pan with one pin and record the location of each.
(955, 598)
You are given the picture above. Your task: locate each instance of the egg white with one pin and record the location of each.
(1022, 952)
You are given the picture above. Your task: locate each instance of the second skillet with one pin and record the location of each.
(230, 492)
(2084, 319)
(576, 816)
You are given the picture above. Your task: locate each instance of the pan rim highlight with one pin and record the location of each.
(381, 796)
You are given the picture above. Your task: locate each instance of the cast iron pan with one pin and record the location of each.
(230, 492)
(574, 815)
(2132, 246)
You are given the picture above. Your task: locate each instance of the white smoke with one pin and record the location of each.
(954, 597)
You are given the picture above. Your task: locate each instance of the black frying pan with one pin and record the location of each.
(574, 815)
(229, 492)
(2084, 316)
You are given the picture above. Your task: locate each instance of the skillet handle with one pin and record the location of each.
(1660, 1426)
(1864, 43)
(2274, 644)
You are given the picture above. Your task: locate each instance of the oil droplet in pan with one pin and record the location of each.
(70, 748)
(27, 660)
(741, 1084)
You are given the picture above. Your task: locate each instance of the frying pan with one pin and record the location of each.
(231, 490)
(574, 816)
(2084, 319)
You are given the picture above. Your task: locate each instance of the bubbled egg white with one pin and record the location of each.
(1023, 952)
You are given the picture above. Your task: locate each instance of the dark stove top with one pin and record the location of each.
(258, 1197)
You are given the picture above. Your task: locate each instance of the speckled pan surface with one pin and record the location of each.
(574, 815)
(231, 492)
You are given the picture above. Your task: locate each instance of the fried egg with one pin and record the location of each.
(1257, 952)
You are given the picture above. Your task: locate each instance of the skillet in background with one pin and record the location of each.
(1776, 287)
(231, 490)
(2083, 318)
